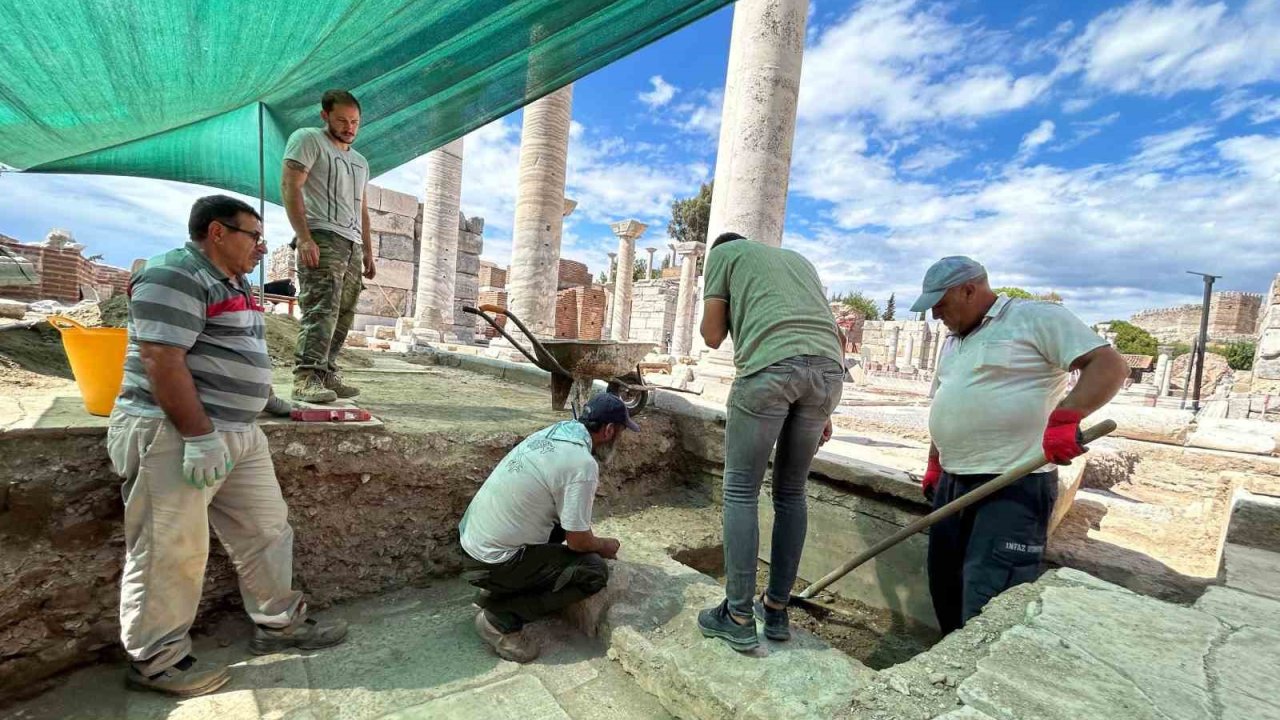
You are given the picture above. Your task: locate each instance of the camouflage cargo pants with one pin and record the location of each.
(327, 296)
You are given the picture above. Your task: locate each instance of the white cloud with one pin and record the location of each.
(1255, 154)
(1032, 141)
(930, 159)
(702, 115)
(1162, 49)
(1261, 109)
(1167, 150)
(661, 93)
(905, 63)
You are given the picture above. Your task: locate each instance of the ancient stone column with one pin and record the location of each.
(648, 275)
(757, 126)
(894, 332)
(540, 211)
(613, 268)
(687, 299)
(911, 350)
(438, 260)
(1163, 376)
(671, 258)
(627, 232)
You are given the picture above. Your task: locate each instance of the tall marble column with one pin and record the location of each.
(687, 299)
(627, 232)
(648, 275)
(894, 332)
(757, 126)
(911, 350)
(438, 260)
(1163, 374)
(540, 211)
(613, 268)
(671, 257)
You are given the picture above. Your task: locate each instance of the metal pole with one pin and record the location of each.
(1204, 336)
(262, 210)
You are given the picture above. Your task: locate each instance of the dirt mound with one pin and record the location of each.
(114, 311)
(29, 353)
(282, 341)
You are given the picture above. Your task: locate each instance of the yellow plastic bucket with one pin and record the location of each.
(97, 361)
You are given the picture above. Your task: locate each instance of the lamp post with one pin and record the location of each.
(1204, 333)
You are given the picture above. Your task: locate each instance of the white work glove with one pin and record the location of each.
(205, 460)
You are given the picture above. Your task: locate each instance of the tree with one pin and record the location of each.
(889, 308)
(1133, 340)
(860, 303)
(691, 216)
(638, 270)
(1018, 293)
(1240, 355)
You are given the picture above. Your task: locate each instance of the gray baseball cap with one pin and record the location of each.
(944, 275)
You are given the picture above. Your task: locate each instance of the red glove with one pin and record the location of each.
(1062, 438)
(929, 483)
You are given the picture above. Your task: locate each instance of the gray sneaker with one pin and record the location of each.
(307, 635)
(777, 626)
(515, 646)
(181, 680)
(716, 623)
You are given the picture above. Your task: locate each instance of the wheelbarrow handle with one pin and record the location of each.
(1106, 427)
(543, 359)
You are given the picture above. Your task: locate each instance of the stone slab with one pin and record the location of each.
(470, 243)
(1240, 609)
(395, 247)
(391, 224)
(1255, 521)
(393, 201)
(469, 264)
(519, 698)
(1159, 425)
(394, 273)
(1245, 668)
(1251, 569)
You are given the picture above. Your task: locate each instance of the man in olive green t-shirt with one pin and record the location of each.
(790, 375)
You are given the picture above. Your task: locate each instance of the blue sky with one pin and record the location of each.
(1096, 149)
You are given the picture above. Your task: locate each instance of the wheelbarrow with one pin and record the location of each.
(575, 365)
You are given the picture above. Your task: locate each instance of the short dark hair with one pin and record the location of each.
(215, 207)
(338, 97)
(724, 238)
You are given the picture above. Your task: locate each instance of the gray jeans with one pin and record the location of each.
(788, 403)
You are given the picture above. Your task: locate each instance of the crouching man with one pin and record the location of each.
(527, 533)
(184, 437)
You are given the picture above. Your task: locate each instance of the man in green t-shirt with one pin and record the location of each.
(790, 376)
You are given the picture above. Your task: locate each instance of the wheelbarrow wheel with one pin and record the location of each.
(635, 398)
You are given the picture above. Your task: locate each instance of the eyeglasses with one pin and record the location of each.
(258, 238)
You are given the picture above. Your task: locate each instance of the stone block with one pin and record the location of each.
(469, 264)
(399, 203)
(390, 223)
(385, 332)
(399, 346)
(12, 309)
(404, 327)
(394, 273)
(1159, 425)
(387, 302)
(1256, 437)
(395, 247)
(357, 339)
(373, 196)
(470, 243)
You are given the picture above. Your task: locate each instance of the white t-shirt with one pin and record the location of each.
(995, 388)
(550, 477)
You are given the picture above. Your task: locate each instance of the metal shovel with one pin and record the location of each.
(804, 599)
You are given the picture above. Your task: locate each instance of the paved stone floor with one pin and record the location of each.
(411, 654)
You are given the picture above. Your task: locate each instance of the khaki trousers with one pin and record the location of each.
(166, 525)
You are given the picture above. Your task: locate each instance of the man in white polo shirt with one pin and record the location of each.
(527, 533)
(998, 401)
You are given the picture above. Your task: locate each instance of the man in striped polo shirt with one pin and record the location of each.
(790, 378)
(183, 436)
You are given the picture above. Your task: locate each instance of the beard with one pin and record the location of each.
(603, 452)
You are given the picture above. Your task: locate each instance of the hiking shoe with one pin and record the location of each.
(333, 381)
(716, 623)
(307, 635)
(776, 624)
(308, 388)
(516, 646)
(182, 680)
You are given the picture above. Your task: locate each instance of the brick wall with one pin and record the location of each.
(580, 312)
(65, 274)
(573, 274)
(491, 275)
(491, 297)
(567, 314)
(653, 310)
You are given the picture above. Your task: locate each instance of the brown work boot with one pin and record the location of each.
(516, 646)
(182, 680)
(309, 388)
(333, 381)
(306, 635)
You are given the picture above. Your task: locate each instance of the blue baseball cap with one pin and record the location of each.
(944, 275)
(607, 408)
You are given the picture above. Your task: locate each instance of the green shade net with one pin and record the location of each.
(184, 89)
